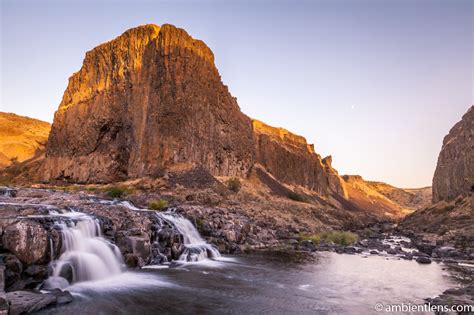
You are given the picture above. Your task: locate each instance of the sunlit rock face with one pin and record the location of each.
(290, 159)
(454, 175)
(21, 138)
(147, 99)
(152, 98)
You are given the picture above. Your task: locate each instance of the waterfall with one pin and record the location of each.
(7, 192)
(85, 254)
(196, 248)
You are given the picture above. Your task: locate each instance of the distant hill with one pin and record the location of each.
(385, 198)
(21, 138)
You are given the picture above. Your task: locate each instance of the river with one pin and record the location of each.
(267, 282)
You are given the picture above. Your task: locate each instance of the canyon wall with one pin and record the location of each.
(152, 98)
(147, 99)
(290, 159)
(454, 175)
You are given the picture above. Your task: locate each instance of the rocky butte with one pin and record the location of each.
(152, 100)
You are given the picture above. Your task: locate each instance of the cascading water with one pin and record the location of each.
(196, 247)
(85, 254)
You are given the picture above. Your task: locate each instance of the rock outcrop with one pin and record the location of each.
(454, 175)
(147, 99)
(21, 138)
(153, 98)
(451, 216)
(290, 159)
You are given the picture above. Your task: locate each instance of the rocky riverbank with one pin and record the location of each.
(31, 239)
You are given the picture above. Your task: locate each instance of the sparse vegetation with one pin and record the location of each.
(296, 196)
(367, 233)
(117, 192)
(234, 184)
(199, 224)
(158, 204)
(344, 238)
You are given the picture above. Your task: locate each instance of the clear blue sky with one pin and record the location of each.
(376, 84)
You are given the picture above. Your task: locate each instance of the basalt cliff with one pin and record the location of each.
(150, 98)
(153, 98)
(450, 217)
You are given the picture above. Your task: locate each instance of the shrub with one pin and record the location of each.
(367, 233)
(157, 204)
(234, 184)
(340, 237)
(344, 238)
(316, 238)
(296, 196)
(117, 192)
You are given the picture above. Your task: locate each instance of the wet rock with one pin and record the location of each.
(38, 272)
(134, 261)
(13, 269)
(426, 248)
(134, 242)
(350, 250)
(308, 245)
(423, 260)
(62, 297)
(27, 240)
(67, 272)
(3, 297)
(458, 296)
(22, 302)
(447, 251)
(54, 282)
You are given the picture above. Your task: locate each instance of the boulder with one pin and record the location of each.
(22, 302)
(423, 260)
(27, 240)
(134, 242)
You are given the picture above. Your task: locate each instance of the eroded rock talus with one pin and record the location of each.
(454, 175)
(147, 99)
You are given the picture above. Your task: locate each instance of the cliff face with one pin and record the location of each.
(454, 175)
(152, 98)
(451, 216)
(290, 159)
(147, 99)
(21, 138)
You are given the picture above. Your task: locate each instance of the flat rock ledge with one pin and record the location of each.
(25, 302)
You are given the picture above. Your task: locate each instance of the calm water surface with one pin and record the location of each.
(265, 283)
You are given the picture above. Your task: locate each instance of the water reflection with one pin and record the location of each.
(277, 282)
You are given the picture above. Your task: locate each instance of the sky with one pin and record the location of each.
(376, 84)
